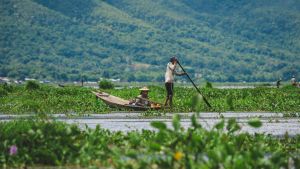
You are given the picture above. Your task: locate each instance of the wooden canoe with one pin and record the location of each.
(117, 102)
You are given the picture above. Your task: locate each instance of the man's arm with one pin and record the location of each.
(172, 67)
(179, 73)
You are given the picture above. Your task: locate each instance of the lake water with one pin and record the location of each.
(273, 123)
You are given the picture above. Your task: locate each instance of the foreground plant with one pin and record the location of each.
(30, 143)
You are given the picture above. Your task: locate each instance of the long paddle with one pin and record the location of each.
(194, 85)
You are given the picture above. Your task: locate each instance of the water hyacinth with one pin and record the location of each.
(50, 99)
(168, 147)
(13, 150)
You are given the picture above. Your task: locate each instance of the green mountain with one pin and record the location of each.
(224, 40)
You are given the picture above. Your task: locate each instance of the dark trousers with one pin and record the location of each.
(169, 88)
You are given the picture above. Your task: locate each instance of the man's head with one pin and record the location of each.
(173, 59)
(144, 91)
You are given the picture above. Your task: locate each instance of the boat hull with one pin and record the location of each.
(116, 102)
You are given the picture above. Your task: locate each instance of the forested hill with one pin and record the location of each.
(224, 40)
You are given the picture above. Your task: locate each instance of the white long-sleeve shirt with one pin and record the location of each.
(170, 72)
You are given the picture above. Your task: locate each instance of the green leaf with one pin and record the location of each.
(159, 125)
(176, 122)
(196, 102)
(195, 124)
(232, 125)
(132, 154)
(220, 125)
(256, 123)
(155, 146)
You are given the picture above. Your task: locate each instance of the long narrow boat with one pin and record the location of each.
(117, 102)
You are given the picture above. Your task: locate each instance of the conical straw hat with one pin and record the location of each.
(144, 89)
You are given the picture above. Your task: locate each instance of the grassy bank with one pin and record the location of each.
(52, 99)
(46, 143)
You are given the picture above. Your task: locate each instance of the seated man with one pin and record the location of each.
(142, 99)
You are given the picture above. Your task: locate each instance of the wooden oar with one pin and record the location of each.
(205, 100)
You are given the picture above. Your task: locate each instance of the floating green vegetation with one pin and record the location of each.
(50, 143)
(49, 99)
(79, 100)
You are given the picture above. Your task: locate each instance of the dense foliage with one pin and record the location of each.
(46, 143)
(106, 84)
(257, 40)
(70, 99)
(49, 99)
(32, 85)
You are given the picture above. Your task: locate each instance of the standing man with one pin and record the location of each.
(169, 79)
(293, 81)
(278, 83)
